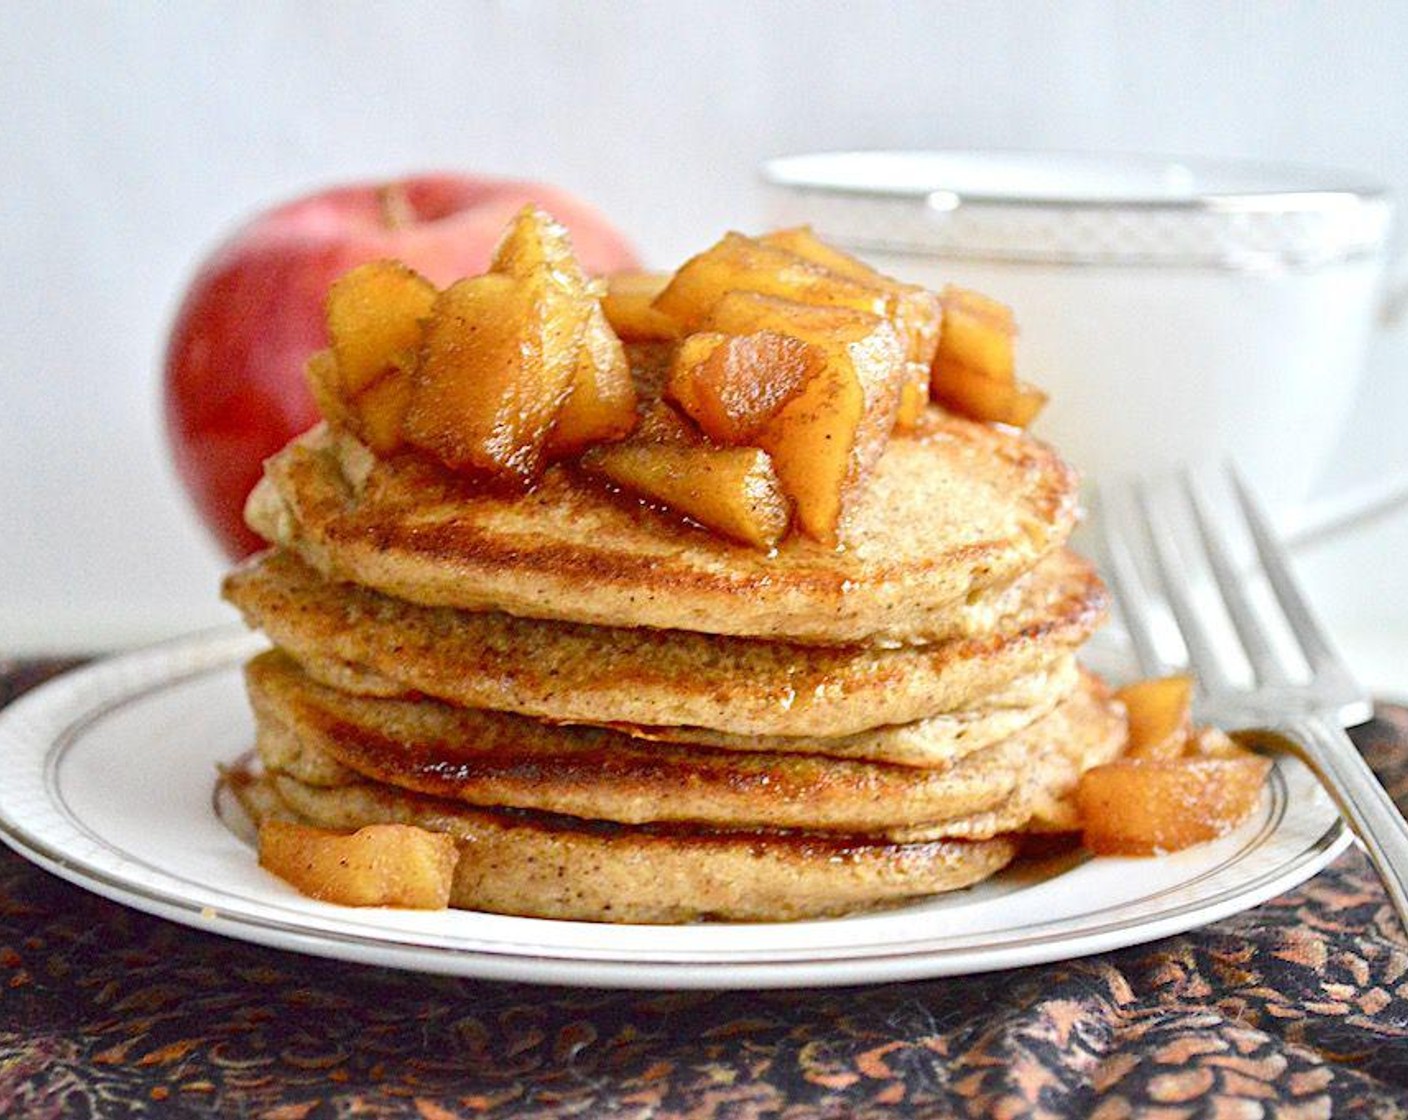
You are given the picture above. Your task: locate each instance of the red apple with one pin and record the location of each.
(234, 387)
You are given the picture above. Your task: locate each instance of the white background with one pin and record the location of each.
(132, 136)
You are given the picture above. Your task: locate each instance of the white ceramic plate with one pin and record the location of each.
(110, 779)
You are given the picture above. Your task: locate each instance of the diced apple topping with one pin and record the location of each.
(374, 315)
(496, 367)
(744, 264)
(974, 368)
(916, 312)
(733, 386)
(1177, 784)
(762, 382)
(1144, 806)
(379, 865)
(971, 394)
(601, 404)
(731, 490)
(629, 306)
(825, 440)
(519, 366)
(1160, 716)
(979, 333)
(535, 240)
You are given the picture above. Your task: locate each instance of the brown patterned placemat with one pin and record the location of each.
(1298, 1008)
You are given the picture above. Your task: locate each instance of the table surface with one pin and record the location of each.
(1298, 1008)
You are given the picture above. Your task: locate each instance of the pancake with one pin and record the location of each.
(366, 642)
(933, 741)
(951, 510)
(495, 759)
(538, 865)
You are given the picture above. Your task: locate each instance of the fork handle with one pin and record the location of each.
(1364, 803)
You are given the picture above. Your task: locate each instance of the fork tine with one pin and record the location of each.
(1125, 580)
(1261, 654)
(1314, 644)
(1202, 649)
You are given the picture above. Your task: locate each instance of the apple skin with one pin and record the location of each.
(233, 384)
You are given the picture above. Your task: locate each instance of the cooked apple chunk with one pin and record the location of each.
(974, 369)
(497, 364)
(374, 415)
(1160, 712)
(1145, 806)
(744, 264)
(979, 333)
(916, 312)
(628, 304)
(601, 405)
(379, 411)
(1177, 784)
(601, 402)
(379, 865)
(730, 490)
(733, 385)
(825, 440)
(972, 394)
(535, 240)
(374, 316)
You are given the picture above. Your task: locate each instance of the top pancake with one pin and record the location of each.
(951, 510)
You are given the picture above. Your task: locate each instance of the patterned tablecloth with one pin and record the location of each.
(1298, 1008)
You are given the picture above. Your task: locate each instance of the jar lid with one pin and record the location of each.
(1072, 208)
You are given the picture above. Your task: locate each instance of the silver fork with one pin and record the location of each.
(1171, 528)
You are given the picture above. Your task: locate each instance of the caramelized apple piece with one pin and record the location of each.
(1143, 806)
(916, 312)
(379, 412)
(535, 240)
(497, 364)
(979, 333)
(743, 264)
(1176, 785)
(733, 385)
(826, 439)
(661, 422)
(601, 406)
(379, 865)
(374, 315)
(1160, 716)
(628, 304)
(730, 490)
(961, 390)
(973, 372)
(374, 416)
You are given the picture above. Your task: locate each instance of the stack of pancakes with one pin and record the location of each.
(623, 717)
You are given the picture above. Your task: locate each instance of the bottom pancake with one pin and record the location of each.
(547, 866)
